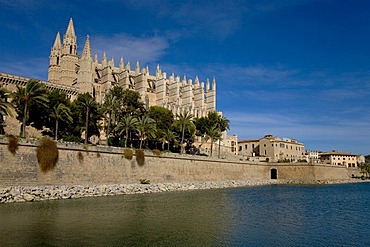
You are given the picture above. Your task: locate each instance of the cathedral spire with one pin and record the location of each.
(86, 54)
(57, 42)
(70, 29)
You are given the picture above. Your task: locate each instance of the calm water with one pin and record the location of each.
(331, 215)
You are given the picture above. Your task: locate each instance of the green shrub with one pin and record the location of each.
(140, 157)
(80, 157)
(144, 181)
(13, 144)
(98, 154)
(127, 153)
(72, 139)
(47, 154)
(156, 152)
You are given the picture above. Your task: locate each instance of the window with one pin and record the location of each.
(240, 148)
(264, 145)
(246, 146)
(272, 145)
(252, 145)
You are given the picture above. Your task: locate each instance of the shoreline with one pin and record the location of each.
(12, 194)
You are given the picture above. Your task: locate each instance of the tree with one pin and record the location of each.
(25, 97)
(167, 136)
(145, 128)
(184, 123)
(164, 121)
(110, 107)
(222, 124)
(5, 107)
(88, 114)
(213, 134)
(61, 113)
(126, 124)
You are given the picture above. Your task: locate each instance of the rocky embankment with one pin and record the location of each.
(53, 192)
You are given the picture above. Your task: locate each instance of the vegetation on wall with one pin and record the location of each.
(128, 154)
(12, 144)
(140, 157)
(80, 157)
(47, 154)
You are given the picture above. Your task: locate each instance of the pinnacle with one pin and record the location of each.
(87, 50)
(70, 29)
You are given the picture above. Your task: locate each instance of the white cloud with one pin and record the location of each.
(142, 49)
(33, 68)
(341, 134)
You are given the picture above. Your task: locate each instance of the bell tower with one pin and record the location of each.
(54, 64)
(69, 58)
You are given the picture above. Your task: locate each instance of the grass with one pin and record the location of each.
(80, 157)
(127, 153)
(140, 157)
(13, 144)
(47, 154)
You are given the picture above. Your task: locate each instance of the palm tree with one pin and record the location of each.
(126, 124)
(213, 134)
(145, 128)
(185, 123)
(24, 97)
(5, 106)
(167, 136)
(61, 113)
(110, 107)
(223, 124)
(87, 103)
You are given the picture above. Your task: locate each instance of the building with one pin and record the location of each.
(339, 158)
(69, 69)
(312, 156)
(273, 148)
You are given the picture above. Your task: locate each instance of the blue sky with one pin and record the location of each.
(291, 68)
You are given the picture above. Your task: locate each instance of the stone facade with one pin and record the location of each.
(89, 75)
(273, 148)
(339, 158)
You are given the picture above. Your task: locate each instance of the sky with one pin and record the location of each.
(291, 68)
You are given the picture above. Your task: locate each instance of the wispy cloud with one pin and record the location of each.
(33, 68)
(143, 49)
(303, 128)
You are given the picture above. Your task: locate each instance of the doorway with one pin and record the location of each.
(273, 173)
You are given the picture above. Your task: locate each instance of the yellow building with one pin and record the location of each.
(273, 148)
(339, 158)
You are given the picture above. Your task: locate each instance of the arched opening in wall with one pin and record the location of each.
(70, 49)
(273, 173)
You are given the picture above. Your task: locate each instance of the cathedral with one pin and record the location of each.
(86, 74)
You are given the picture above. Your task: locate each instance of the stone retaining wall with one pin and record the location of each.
(107, 165)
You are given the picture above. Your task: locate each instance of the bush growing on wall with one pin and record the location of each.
(156, 152)
(127, 153)
(13, 144)
(140, 157)
(80, 157)
(47, 154)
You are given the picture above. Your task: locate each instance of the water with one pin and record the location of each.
(279, 215)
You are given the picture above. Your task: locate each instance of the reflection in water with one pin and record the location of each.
(269, 215)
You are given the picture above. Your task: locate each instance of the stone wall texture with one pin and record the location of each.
(107, 165)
